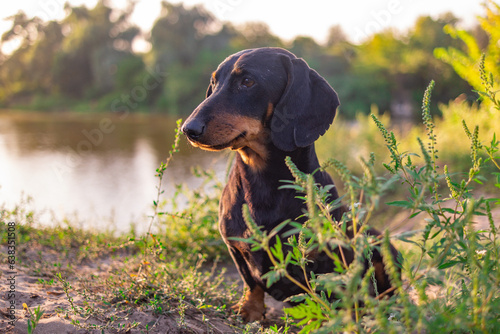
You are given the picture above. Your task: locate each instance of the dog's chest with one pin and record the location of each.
(268, 206)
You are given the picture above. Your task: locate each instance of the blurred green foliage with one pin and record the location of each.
(88, 56)
(465, 61)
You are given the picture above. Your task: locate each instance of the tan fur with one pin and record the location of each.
(269, 113)
(225, 132)
(251, 307)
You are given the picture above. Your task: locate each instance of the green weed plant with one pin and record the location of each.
(450, 268)
(34, 317)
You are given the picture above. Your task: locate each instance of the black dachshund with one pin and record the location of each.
(268, 104)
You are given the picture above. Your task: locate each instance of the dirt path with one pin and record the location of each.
(56, 318)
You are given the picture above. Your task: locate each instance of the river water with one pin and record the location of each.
(96, 169)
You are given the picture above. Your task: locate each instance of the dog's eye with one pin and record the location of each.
(247, 82)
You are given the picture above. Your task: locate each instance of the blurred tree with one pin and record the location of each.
(465, 60)
(423, 67)
(177, 34)
(337, 56)
(336, 36)
(255, 35)
(307, 48)
(96, 40)
(377, 72)
(88, 55)
(22, 28)
(428, 32)
(187, 45)
(25, 72)
(394, 69)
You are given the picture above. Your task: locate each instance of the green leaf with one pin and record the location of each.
(273, 276)
(403, 204)
(477, 180)
(415, 214)
(448, 264)
(247, 240)
(291, 186)
(297, 298)
(277, 250)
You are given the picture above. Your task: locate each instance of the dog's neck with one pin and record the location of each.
(260, 155)
(265, 158)
(269, 177)
(255, 150)
(254, 156)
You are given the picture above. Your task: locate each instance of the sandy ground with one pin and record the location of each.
(52, 299)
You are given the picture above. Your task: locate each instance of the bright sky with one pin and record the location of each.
(287, 19)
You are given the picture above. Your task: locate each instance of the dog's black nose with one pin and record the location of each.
(193, 129)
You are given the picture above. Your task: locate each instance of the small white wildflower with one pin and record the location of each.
(481, 252)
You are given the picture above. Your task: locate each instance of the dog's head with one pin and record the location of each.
(259, 96)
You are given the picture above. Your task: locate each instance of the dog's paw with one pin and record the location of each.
(250, 312)
(251, 307)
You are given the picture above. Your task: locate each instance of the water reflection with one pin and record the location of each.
(97, 166)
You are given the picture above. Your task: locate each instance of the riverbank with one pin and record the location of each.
(179, 279)
(85, 282)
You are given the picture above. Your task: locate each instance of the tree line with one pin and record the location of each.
(86, 61)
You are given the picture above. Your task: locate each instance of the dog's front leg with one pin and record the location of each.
(251, 307)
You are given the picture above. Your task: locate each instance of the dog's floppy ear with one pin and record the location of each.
(209, 90)
(305, 110)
